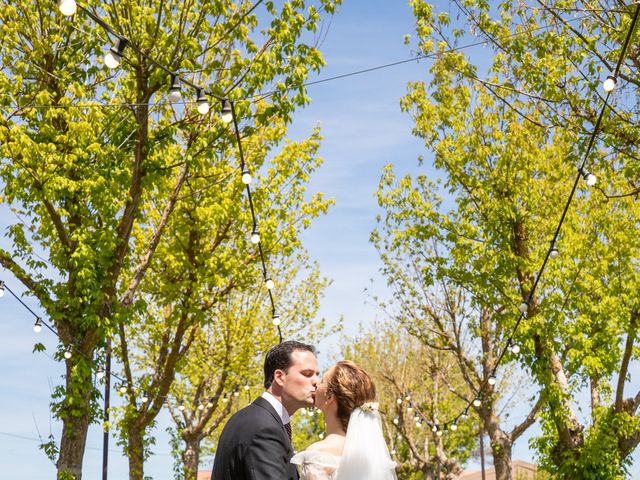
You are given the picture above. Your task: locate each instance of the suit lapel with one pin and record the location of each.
(261, 402)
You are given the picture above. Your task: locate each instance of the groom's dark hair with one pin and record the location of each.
(279, 358)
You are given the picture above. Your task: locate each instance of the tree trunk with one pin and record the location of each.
(72, 445)
(501, 451)
(191, 458)
(135, 453)
(75, 413)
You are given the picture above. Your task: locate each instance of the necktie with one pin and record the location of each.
(287, 427)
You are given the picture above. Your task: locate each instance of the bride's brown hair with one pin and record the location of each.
(352, 387)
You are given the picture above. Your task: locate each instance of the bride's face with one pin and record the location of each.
(322, 400)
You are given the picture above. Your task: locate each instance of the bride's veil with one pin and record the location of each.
(365, 454)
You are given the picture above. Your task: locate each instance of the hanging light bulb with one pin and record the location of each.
(37, 327)
(100, 373)
(410, 407)
(434, 428)
(246, 177)
(514, 347)
(255, 236)
(553, 253)
(123, 389)
(269, 283)
(492, 379)
(144, 398)
(275, 319)
(202, 102)
(114, 55)
(439, 433)
(209, 404)
(589, 178)
(181, 407)
(396, 421)
(226, 113)
(454, 426)
(610, 83)
(236, 393)
(399, 401)
(407, 397)
(1, 289)
(465, 414)
(201, 407)
(67, 7)
(225, 399)
(477, 402)
(246, 387)
(67, 354)
(174, 90)
(523, 307)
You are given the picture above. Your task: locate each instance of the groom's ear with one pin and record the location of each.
(278, 377)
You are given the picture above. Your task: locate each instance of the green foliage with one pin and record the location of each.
(109, 180)
(507, 140)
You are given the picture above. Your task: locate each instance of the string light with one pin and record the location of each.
(399, 401)
(37, 327)
(434, 428)
(439, 433)
(210, 404)
(246, 177)
(123, 389)
(589, 178)
(553, 252)
(523, 307)
(454, 426)
(246, 386)
(114, 55)
(465, 414)
(269, 284)
(202, 102)
(100, 373)
(477, 402)
(174, 91)
(492, 379)
(276, 319)
(181, 407)
(396, 421)
(226, 113)
(610, 83)
(67, 354)
(144, 398)
(513, 347)
(67, 7)
(255, 236)
(201, 407)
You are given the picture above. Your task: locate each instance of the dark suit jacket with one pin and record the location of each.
(254, 446)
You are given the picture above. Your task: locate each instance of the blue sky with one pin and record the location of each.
(363, 130)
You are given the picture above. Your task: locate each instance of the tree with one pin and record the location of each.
(91, 156)
(508, 143)
(413, 386)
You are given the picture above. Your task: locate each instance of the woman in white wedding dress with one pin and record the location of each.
(353, 447)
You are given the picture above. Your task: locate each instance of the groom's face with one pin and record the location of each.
(299, 382)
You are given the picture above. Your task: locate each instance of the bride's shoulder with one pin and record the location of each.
(330, 445)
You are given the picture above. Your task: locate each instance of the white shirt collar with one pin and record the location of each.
(277, 405)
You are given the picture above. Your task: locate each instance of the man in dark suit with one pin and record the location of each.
(256, 441)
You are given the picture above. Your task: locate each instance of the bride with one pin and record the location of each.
(354, 446)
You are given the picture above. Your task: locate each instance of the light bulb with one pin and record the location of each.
(269, 283)
(1, 289)
(255, 237)
(477, 402)
(144, 399)
(491, 380)
(523, 307)
(100, 373)
(515, 348)
(236, 393)
(201, 407)
(37, 327)
(202, 102)
(123, 389)
(226, 114)
(434, 428)
(67, 354)
(439, 433)
(67, 7)
(399, 401)
(246, 387)
(393, 452)
(609, 84)
(276, 320)
(396, 421)
(209, 404)
(174, 90)
(465, 414)
(454, 426)
(181, 407)
(246, 177)
(591, 179)
(553, 253)
(114, 55)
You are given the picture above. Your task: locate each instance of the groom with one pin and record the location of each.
(256, 441)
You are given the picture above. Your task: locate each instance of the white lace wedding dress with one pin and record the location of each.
(365, 455)
(316, 465)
